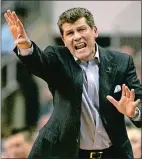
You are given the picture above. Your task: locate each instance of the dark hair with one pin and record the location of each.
(73, 14)
(25, 131)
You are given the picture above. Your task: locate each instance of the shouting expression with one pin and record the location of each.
(80, 38)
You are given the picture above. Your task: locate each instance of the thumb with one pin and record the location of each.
(20, 41)
(112, 100)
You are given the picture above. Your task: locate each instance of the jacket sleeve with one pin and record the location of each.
(133, 82)
(40, 63)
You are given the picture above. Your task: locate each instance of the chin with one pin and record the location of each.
(83, 57)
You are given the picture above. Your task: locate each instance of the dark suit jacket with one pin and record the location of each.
(59, 138)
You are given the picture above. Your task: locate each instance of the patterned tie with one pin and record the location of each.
(83, 65)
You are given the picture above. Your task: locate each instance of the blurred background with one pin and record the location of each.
(26, 99)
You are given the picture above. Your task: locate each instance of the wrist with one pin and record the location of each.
(26, 45)
(137, 114)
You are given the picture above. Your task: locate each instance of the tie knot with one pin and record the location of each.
(78, 61)
(96, 60)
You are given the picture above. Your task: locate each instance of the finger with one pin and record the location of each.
(19, 36)
(9, 12)
(123, 90)
(15, 18)
(132, 95)
(127, 92)
(112, 100)
(15, 15)
(20, 41)
(137, 102)
(20, 24)
(10, 16)
(20, 28)
(7, 19)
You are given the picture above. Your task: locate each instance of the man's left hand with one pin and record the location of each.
(126, 105)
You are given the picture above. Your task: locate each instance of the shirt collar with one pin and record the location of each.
(96, 54)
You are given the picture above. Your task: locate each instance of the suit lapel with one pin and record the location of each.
(107, 72)
(76, 73)
(77, 78)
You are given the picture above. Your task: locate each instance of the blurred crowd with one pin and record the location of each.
(136, 56)
(17, 142)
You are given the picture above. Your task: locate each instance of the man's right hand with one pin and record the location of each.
(16, 27)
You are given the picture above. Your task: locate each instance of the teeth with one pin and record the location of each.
(80, 46)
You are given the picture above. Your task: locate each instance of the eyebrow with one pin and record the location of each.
(77, 28)
(81, 26)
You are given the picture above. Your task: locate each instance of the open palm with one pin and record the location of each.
(17, 30)
(126, 105)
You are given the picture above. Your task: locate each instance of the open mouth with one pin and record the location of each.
(80, 46)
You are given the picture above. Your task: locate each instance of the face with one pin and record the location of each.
(79, 38)
(17, 147)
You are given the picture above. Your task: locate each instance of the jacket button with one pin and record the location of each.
(77, 140)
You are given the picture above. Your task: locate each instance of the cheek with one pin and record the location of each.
(90, 39)
(69, 45)
(91, 43)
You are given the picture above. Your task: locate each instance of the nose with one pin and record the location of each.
(77, 36)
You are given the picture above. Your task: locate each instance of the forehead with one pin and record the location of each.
(80, 22)
(15, 138)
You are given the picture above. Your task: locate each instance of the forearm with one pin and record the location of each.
(31, 59)
(40, 63)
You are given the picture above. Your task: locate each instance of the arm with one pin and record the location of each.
(133, 83)
(17, 30)
(38, 62)
(131, 97)
(41, 63)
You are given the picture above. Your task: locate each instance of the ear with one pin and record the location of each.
(95, 32)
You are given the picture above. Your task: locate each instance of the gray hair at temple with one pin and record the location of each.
(73, 14)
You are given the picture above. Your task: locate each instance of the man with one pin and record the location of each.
(85, 81)
(18, 145)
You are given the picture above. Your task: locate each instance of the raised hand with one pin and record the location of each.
(17, 30)
(126, 105)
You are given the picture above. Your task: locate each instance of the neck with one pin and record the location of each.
(90, 57)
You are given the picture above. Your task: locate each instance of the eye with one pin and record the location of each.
(81, 29)
(69, 33)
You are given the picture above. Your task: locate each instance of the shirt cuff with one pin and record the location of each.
(28, 51)
(137, 115)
